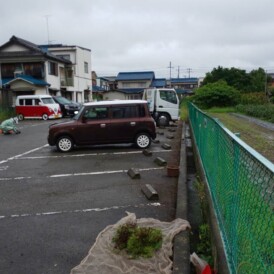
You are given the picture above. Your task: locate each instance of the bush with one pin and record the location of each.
(217, 94)
(6, 113)
(138, 241)
(253, 98)
(265, 112)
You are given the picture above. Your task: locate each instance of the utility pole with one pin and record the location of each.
(189, 70)
(47, 20)
(178, 72)
(170, 67)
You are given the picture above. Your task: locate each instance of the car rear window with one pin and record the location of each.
(121, 112)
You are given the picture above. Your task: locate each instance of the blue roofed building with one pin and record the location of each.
(132, 84)
(184, 86)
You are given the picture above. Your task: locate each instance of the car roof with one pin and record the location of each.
(34, 96)
(115, 102)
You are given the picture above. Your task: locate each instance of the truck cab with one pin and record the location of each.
(163, 104)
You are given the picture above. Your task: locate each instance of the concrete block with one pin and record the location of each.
(160, 132)
(156, 141)
(150, 192)
(160, 161)
(170, 136)
(166, 146)
(134, 173)
(172, 129)
(147, 152)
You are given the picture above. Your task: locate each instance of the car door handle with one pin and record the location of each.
(160, 106)
(133, 123)
(102, 125)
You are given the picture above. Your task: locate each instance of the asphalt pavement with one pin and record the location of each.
(53, 205)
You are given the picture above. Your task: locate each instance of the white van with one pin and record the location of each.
(37, 107)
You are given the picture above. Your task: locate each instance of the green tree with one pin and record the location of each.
(258, 80)
(218, 94)
(254, 81)
(234, 77)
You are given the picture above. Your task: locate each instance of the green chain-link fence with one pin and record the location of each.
(241, 184)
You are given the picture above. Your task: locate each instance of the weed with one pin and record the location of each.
(138, 241)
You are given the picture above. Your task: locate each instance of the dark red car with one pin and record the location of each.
(105, 122)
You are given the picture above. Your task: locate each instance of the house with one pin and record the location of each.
(188, 84)
(132, 84)
(27, 68)
(75, 82)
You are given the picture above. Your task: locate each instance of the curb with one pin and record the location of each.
(181, 252)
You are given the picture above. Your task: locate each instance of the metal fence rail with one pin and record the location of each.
(241, 184)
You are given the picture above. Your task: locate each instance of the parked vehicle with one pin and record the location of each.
(163, 104)
(105, 122)
(37, 107)
(68, 107)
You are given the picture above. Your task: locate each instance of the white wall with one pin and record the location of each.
(114, 96)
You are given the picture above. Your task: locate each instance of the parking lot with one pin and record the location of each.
(53, 205)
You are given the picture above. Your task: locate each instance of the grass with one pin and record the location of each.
(6, 113)
(259, 138)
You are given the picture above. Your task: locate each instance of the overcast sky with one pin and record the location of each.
(144, 35)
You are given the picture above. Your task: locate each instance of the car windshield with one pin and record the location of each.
(48, 101)
(76, 116)
(62, 100)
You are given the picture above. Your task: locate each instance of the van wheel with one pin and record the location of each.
(21, 117)
(143, 140)
(64, 144)
(45, 117)
(163, 120)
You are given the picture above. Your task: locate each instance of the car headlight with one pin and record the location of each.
(66, 106)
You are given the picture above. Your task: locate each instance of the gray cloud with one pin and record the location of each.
(130, 35)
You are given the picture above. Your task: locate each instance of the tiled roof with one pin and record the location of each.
(184, 80)
(143, 75)
(33, 48)
(159, 83)
(26, 78)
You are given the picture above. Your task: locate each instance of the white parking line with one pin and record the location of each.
(88, 154)
(83, 173)
(20, 155)
(76, 211)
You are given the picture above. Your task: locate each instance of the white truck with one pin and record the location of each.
(163, 104)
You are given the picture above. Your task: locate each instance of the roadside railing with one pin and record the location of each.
(241, 185)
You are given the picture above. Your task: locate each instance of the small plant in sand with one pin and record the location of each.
(137, 241)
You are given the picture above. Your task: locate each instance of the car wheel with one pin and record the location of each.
(64, 144)
(45, 117)
(163, 120)
(21, 117)
(143, 140)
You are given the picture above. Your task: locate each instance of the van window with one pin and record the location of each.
(96, 113)
(36, 102)
(28, 102)
(21, 102)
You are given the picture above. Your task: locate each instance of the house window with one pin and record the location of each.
(86, 67)
(53, 68)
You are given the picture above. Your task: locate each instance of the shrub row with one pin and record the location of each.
(265, 111)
